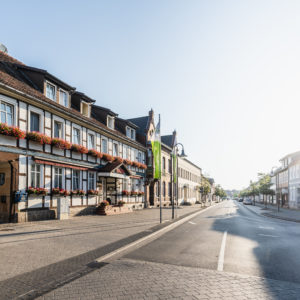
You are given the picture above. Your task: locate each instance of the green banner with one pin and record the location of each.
(156, 150)
(174, 168)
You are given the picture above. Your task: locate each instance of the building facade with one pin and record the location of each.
(55, 142)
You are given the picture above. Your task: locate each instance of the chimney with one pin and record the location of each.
(3, 48)
(151, 114)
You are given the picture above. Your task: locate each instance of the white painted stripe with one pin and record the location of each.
(268, 235)
(192, 223)
(155, 234)
(265, 227)
(222, 252)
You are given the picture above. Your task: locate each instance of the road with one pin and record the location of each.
(227, 252)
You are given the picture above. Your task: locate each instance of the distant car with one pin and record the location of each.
(240, 199)
(247, 201)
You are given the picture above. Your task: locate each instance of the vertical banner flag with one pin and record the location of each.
(174, 166)
(156, 150)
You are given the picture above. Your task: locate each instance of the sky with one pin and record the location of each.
(224, 74)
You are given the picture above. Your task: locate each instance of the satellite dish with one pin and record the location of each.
(3, 48)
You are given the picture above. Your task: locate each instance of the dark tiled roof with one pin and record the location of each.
(168, 140)
(141, 122)
(110, 167)
(22, 87)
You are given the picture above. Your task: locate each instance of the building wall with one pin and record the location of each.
(189, 180)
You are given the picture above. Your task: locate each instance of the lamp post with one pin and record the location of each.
(175, 160)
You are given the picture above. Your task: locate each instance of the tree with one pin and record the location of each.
(253, 190)
(264, 185)
(205, 187)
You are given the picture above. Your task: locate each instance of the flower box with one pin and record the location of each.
(37, 191)
(126, 193)
(79, 149)
(107, 157)
(118, 159)
(61, 144)
(92, 192)
(128, 162)
(38, 137)
(60, 192)
(12, 131)
(95, 153)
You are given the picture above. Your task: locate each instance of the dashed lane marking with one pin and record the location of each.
(222, 253)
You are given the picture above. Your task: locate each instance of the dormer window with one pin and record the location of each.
(63, 98)
(51, 91)
(110, 122)
(85, 109)
(130, 133)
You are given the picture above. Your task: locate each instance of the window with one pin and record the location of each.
(170, 166)
(76, 178)
(63, 98)
(58, 129)
(58, 177)
(91, 141)
(6, 111)
(76, 136)
(157, 189)
(85, 109)
(110, 122)
(104, 146)
(170, 189)
(35, 176)
(115, 149)
(140, 157)
(50, 91)
(91, 181)
(164, 189)
(130, 133)
(34, 121)
(164, 164)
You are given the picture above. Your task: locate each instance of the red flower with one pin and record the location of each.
(79, 148)
(61, 144)
(128, 162)
(107, 157)
(118, 159)
(12, 131)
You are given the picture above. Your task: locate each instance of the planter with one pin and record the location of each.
(112, 210)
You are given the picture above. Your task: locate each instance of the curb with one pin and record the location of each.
(152, 236)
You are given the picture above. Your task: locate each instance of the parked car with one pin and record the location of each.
(247, 201)
(240, 199)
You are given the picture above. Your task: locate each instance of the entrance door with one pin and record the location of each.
(185, 195)
(5, 180)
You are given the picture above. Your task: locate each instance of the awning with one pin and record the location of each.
(64, 165)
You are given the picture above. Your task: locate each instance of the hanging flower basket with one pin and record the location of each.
(79, 149)
(12, 131)
(61, 144)
(38, 137)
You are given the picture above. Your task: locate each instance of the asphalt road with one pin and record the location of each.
(253, 245)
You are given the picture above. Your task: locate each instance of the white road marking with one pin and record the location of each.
(266, 227)
(269, 235)
(222, 253)
(192, 223)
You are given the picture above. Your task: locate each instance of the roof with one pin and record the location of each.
(9, 81)
(110, 167)
(167, 139)
(141, 122)
(107, 110)
(297, 153)
(7, 58)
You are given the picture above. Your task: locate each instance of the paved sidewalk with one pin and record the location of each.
(130, 279)
(272, 211)
(32, 255)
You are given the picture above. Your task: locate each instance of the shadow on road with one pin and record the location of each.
(278, 243)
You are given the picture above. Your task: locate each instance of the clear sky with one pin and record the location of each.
(224, 74)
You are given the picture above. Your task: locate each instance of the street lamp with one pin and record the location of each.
(175, 151)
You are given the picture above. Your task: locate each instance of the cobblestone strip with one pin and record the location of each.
(130, 279)
(31, 284)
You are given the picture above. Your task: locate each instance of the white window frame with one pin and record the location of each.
(39, 112)
(88, 141)
(73, 177)
(6, 113)
(113, 122)
(33, 175)
(104, 139)
(62, 129)
(61, 100)
(91, 178)
(80, 134)
(12, 102)
(62, 177)
(117, 152)
(34, 113)
(83, 103)
(55, 90)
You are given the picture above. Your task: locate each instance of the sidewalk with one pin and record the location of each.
(31, 246)
(272, 212)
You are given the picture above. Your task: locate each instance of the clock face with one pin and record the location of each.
(2, 178)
